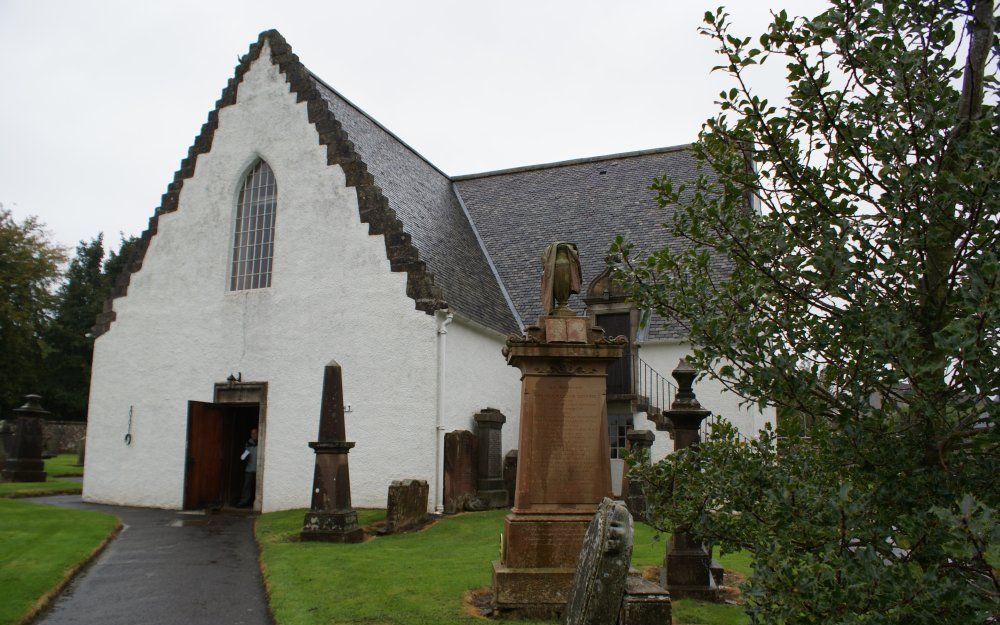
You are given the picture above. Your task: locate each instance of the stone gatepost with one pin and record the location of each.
(331, 517)
(563, 469)
(639, 441)
(687, 564)
(24, 443)
(490, 487)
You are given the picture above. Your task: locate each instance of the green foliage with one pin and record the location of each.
(78, 301)
(29, 267)
(87, 283)
(861, 221)
(41, 544)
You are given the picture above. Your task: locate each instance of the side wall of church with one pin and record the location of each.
(477, 377)
(663, 357)
(180, 330)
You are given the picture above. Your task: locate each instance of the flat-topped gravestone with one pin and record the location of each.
(645, 603)
(460, 460)
(490, 487)
(602, 569)
(407, 505)
(24, 443)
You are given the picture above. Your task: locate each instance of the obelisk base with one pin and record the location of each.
(688, 573)
(331, 518)
(538, 561)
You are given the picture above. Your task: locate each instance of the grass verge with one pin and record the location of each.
(10, 490)
(62, 466)
(43, 547)
(410, 579)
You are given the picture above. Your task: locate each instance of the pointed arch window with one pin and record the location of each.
(253, 242)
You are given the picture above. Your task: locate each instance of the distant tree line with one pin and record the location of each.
(47, 309)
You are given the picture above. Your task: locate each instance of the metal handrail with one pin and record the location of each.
(653, 390)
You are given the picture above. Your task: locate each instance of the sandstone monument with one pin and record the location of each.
(639, 442)
(563, 469)
(331, 517)
(460, 461)
(406, 508)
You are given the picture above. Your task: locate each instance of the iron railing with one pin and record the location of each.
(706, 427)
(654, 393)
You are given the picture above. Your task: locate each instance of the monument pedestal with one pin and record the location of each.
(331, 485)
(563, 469)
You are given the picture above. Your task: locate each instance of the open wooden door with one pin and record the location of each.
(204, 471)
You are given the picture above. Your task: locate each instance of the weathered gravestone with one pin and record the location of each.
(490, 487)
(331, 517)
(564, 466)
(460, 460)
(645, 603)
(603, 592)
(24, 443)
(510, 474)
(602, 568)
(639, 441)
(407, 505)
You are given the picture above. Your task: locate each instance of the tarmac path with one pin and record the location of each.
(165, 568)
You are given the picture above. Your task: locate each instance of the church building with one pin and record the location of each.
(299, 231)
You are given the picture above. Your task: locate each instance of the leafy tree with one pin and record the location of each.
(864, 297)
(78, 301)
(29, 267)
(87, 283)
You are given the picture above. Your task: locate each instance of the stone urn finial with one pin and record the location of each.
(685, 399)
(32, 407)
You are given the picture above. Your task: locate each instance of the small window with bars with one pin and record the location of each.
(253, 241)
(618, 427)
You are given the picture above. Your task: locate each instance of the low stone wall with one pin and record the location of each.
(63, 437)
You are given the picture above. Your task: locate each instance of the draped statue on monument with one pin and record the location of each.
(561, 276)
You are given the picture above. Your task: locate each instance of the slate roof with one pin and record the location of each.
(422, 198)
(474, 242)
(519, 211)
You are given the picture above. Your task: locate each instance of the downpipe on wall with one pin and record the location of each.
(443, 318)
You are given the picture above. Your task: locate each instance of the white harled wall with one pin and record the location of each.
(477, 377)
(663, 357)
(333, 296)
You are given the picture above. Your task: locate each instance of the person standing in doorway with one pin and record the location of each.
(250, 472)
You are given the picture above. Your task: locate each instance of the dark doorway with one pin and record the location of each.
(217, 435)
(620, 371)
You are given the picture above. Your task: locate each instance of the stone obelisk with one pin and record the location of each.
(331, 517)
(563, 469)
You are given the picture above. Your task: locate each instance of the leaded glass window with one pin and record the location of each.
(253, 242)
(618, 427)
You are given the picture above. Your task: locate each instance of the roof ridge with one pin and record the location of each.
(574, 161)
(377, 123)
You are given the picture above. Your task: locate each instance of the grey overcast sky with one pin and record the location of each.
(102, 98)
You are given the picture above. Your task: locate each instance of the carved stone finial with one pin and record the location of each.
(561, 277)
(685, 399)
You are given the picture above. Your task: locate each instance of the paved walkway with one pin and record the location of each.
(166, 568)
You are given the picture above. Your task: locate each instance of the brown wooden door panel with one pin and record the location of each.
(203, 476)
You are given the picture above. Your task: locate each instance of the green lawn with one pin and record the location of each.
(62, 465)
(31, 489)
(410, 579)
(41, 546)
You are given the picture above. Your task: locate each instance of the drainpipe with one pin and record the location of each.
(443, 318)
